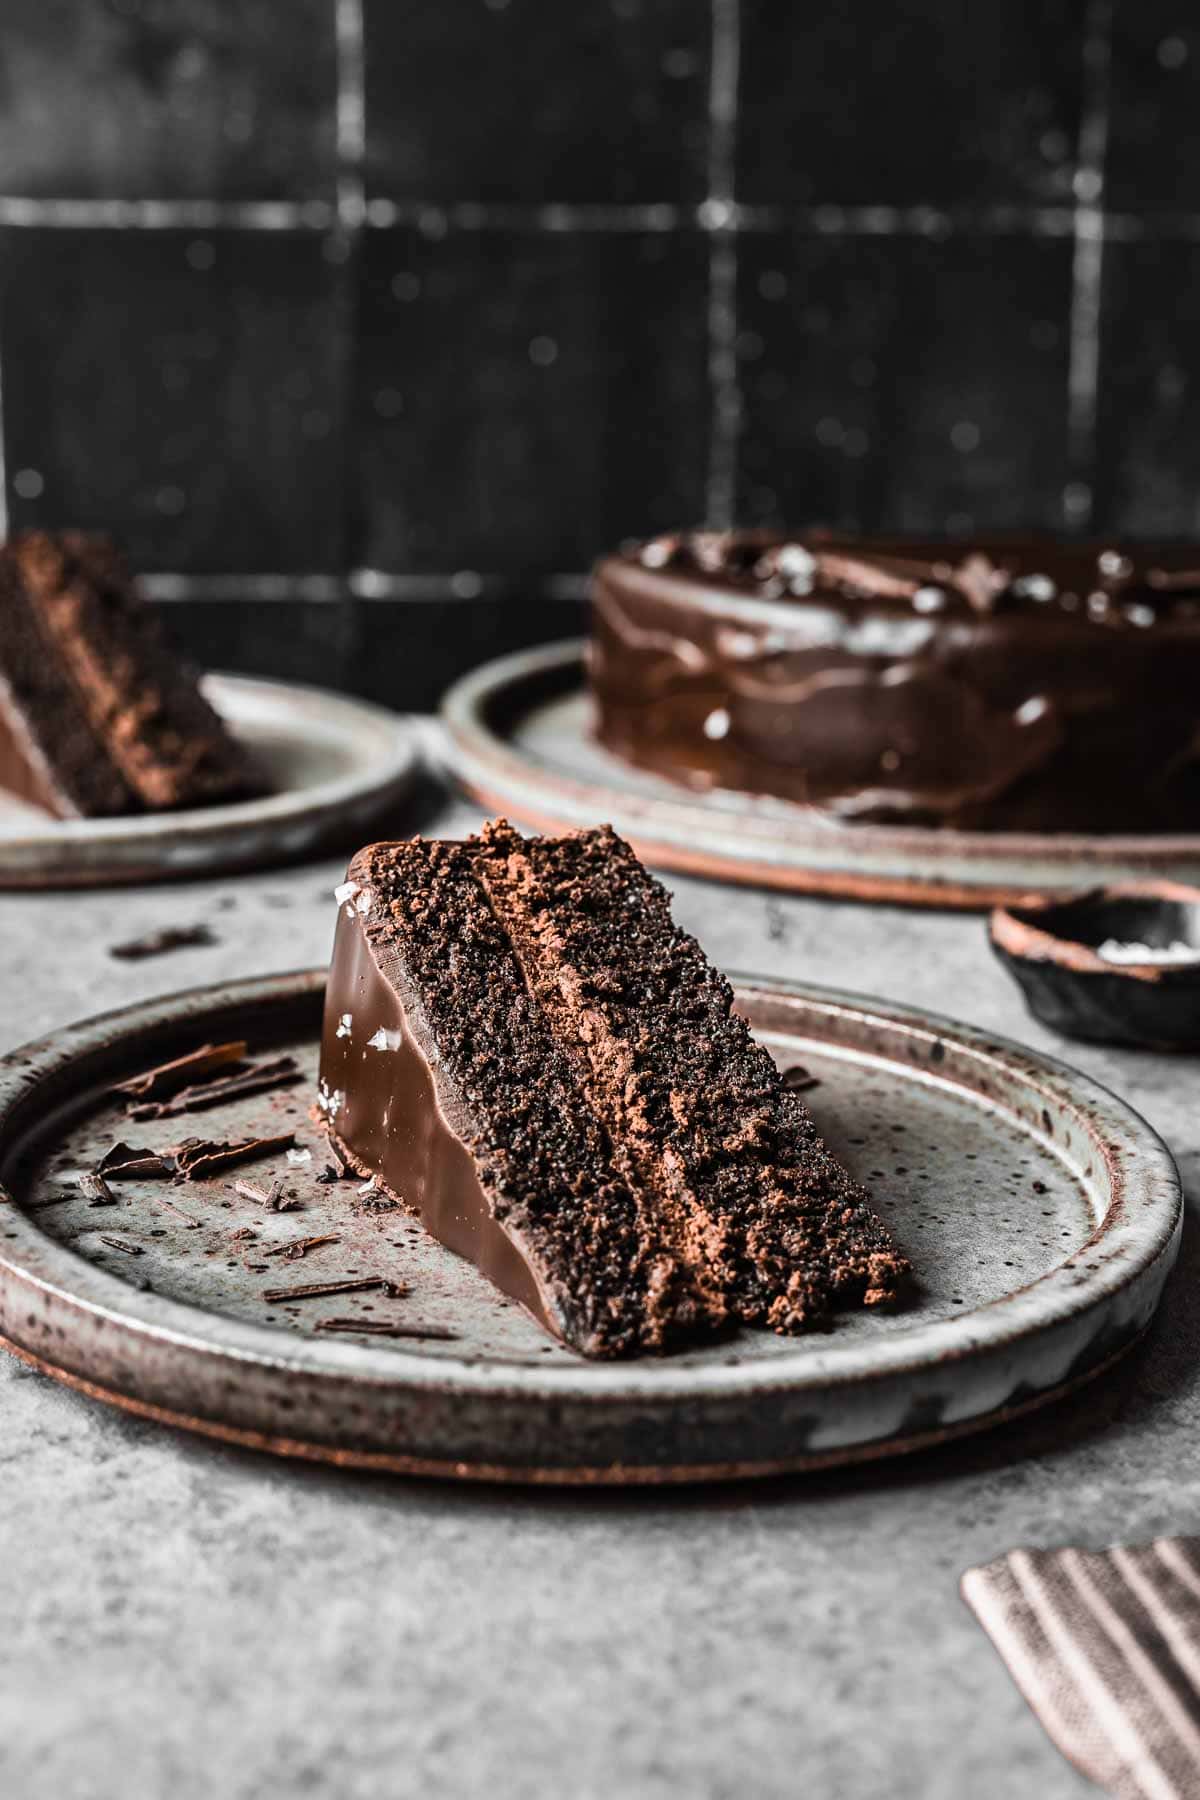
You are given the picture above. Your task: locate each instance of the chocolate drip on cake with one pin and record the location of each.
(98, 715)
(522, 1047)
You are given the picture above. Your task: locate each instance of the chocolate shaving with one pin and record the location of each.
(300, 1247)
(170, 1206)
(123, 1244)
(169, 1077)
(797, 1079)
(129, 1162)
(385, 1328)
(280, 1073)
(196, 1157)
(157, 943)
(96, 1190)
(271, 1199)
(312, 1290)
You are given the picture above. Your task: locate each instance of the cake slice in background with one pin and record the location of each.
(522, 1046)
(99, 716)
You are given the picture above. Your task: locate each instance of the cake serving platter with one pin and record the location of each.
(1042, 1215)
(521, 744)
(337, 765)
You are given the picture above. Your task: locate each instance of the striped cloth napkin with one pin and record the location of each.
(1105, 1647)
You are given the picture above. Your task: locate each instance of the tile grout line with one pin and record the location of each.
(724, 219)
(345, 244)
(351, 132)
(24, 211)
(322, 588)
(1087, 269)
(719, 216)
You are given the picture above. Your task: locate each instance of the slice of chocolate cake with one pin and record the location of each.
(98, 714)
(521, 1046)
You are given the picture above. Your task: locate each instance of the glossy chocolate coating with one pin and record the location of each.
(1020, 686)
(390, 1107)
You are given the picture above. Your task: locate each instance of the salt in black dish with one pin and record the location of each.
(1086, 963)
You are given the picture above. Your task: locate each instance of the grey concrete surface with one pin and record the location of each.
(192, 1623)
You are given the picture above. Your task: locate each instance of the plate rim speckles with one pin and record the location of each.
(815, 1404)
(380, 747)
(745, 838)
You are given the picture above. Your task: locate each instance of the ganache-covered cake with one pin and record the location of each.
(523, 1048)
(999, 686)
(98, 714)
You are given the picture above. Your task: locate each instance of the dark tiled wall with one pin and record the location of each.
(366, 326)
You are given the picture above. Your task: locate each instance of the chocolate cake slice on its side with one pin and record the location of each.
(521, 1045)
(98, 715)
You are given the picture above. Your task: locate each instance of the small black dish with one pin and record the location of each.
(1051, 947)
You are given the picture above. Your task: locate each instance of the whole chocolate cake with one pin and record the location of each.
(997, 686)
(98, 714)
(522, 1047)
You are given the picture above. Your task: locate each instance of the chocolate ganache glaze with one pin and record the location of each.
(394, 1113)
(999, 685)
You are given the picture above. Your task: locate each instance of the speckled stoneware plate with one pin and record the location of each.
(521, 744)
(337, 764)
(1042, 1215)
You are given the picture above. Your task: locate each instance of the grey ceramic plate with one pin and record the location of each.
(337, 764)
(521, 744)
(1042, 1215)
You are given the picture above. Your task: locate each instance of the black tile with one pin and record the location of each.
(1153, 162)
(182, 392)
(409, 651)
(1149, 416)
(178, 98)
(525, 400)
(904, 383)
(529, 100)
(287, 640)
(921, 104)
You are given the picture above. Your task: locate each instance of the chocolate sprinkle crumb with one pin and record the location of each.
(797, 1079)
